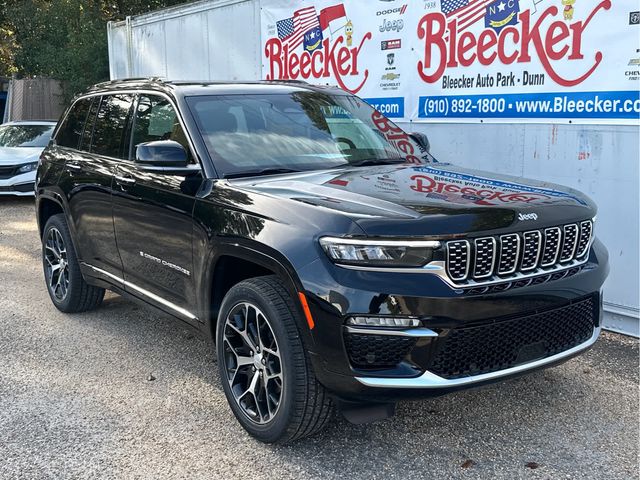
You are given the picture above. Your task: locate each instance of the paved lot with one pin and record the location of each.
(76, 402)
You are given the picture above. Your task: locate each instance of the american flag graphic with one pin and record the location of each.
(467, 12)
(291, 30)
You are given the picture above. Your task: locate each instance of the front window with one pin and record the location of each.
(156, 119)
(25, 135)
(250, 134)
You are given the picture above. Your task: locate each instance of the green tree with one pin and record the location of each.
(63, 39)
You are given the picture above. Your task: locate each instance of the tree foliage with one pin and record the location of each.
(63, 39)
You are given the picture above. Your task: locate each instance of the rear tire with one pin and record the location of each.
(67, 288)
(267, 376)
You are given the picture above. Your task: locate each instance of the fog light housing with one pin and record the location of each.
(384, 322)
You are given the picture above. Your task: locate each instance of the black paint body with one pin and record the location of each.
(194, 220)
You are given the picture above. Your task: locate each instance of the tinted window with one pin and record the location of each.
(71, 130)
(85, 141)
(25, 135)
(156, 119)
(110, 125)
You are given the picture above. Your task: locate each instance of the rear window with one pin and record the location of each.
(110, 126)
(71, 129)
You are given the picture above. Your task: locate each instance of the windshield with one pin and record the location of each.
(25, 135)
(297, 131)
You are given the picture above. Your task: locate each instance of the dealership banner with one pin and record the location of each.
(464, 60)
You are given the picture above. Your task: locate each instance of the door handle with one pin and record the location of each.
(74, 166)
(124, 180)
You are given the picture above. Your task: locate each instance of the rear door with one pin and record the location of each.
(92, 142)
(152, 213)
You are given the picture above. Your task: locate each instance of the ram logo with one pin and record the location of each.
(527, 216)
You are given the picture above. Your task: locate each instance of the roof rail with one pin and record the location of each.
(131, 79)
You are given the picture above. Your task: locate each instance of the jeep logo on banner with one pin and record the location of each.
(464, 59)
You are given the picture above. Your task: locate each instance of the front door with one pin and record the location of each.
(152, 213)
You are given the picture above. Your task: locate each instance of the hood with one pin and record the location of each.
(434, 199)
(18, 155)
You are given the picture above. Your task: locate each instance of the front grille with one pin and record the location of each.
(489, 348)
(532, 252)
(377, 351)
(7, 171)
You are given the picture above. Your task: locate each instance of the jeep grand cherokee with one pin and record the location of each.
(331, 259)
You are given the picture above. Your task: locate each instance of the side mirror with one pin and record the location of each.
(161, 153)
(422, 140)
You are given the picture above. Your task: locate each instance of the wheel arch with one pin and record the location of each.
(47, 207)
(233, 263)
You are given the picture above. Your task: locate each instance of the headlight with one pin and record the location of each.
(28, 167)
(379, 253)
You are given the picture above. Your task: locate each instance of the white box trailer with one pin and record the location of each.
(221, 40)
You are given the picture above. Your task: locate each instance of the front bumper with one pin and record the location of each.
(20, 185)
(432, 381)
(337, 294)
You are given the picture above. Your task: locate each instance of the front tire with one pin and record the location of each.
(265, 370)
(67, 288)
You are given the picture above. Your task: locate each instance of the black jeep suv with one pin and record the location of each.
(331, 259)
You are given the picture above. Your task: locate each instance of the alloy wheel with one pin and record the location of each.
(56, 264)
(252, 362)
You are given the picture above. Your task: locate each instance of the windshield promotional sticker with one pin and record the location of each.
(532, 60)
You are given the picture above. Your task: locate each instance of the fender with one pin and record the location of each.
(259, 254)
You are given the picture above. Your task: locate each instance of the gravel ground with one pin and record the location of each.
(77, 402)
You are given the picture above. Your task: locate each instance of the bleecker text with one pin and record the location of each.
(396, 136)
(486, 196)
(445, 48)
(332, 59)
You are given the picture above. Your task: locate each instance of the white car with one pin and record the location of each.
(21, 144)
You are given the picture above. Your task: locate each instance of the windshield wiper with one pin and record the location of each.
(257, 173)
(374, 161)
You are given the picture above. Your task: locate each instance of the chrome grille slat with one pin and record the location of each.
(569, 242)
(514, 256)
(485, 257)
(531, 249)
(586, 230)
(509, 253)
(458, 253)
(551, 246)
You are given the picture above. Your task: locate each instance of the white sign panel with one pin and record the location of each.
(500, 60)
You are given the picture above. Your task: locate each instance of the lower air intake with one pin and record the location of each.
(488, 348)
(377, 351)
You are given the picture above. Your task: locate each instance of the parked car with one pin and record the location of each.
(21, 144)
(326, 253)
